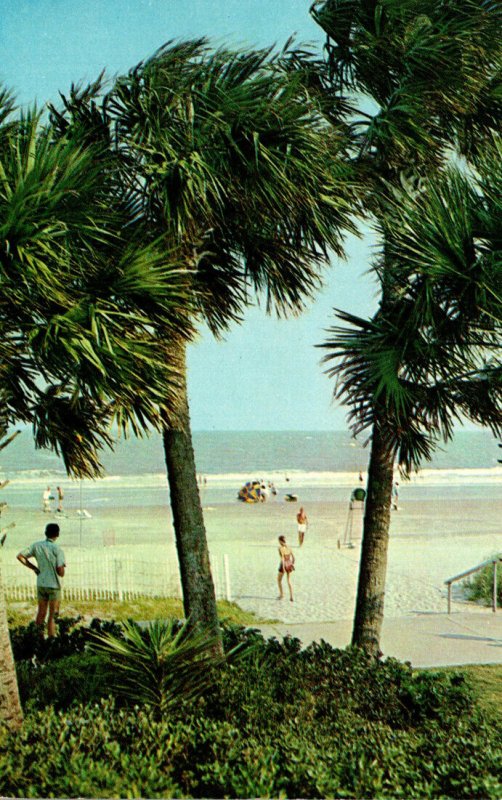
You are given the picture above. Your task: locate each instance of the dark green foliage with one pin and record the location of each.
(61, 671)
(80, 678)
(480, 585)
(28, 644)
(279, 720)
(103, 751)
(80, 296)
(318, 683)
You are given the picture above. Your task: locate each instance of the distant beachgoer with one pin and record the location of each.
(302, 521)
(60, 499)
(395, 495)
(361, 479)
(286, 566)
(50, 568)
(46, 500)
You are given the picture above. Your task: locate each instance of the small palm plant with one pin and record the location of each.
(160, 664)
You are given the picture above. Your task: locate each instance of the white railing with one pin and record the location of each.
(491, 561)
(102, 575)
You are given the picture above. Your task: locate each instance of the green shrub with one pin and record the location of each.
(480, 585)
(72, 638)
(270, 680)
(317, 682)
(79, 678)
(278, 721)
(104, 751)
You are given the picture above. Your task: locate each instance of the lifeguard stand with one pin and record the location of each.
(357, 499)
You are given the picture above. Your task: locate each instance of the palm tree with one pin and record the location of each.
(76, 351)
(73, 298)
(419, 80)
(228, 160)
(430, 359)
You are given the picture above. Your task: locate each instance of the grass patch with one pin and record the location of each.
(486, 680)
(142, 608)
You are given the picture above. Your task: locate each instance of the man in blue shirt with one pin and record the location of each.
(50, 568)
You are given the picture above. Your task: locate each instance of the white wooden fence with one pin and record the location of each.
(105, 574)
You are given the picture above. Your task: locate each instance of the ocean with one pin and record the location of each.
(318, 465)
(250, 452)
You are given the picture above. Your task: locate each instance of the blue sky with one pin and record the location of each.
(266, 374)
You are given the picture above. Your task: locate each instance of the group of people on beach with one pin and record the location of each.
(286, 555)
(48, 497)
(51, 564)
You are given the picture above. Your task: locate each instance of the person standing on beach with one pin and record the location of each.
(49, 569)
(60, 499)
(286, 566)
(395, 495)
(46, 500)
(302, 521)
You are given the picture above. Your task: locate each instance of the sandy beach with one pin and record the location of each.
(325, 579)
(438, 531)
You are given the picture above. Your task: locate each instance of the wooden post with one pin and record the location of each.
(449, 598)
(494, 604)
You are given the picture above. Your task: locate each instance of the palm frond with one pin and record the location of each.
(88, 309)
(434, 344)
(236, 167)
(431, 69)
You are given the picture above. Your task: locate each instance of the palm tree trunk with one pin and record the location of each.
(11, 712)
(373, 564)
(199, 599)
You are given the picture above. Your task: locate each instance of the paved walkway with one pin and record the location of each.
(426, 640)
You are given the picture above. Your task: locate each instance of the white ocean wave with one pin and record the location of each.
(343, 479)
(283, 481)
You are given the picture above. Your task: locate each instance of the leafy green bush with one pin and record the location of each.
(155, 665)
(317, 682)
(103, 751)
(61, 671)
(270, 680)
(278, 721)
(72, 638)
(80, 678)
(480, 585)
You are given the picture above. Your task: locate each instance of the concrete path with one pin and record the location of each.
(426, 640)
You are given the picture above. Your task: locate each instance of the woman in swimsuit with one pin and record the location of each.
(286, 566)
